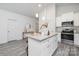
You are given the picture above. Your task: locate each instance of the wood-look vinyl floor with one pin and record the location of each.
(18, 48)
(13, 48)
(66, 50)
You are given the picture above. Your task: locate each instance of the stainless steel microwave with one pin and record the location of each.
(67, 24)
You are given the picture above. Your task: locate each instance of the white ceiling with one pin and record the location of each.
(27, 9)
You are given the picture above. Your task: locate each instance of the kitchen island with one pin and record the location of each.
(42, 45)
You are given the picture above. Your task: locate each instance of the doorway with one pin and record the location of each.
(12, 30)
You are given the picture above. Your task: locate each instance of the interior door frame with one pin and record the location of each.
(8, 27)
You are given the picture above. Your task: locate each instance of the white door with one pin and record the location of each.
(11, 30)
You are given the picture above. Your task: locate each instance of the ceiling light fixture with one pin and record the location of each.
(37, 15)
(39, 5)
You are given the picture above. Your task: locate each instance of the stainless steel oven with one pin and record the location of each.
(68, 31)
(67, 34)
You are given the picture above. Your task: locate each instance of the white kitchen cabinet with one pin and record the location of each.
(64, 18)
(50, 47)
(42, 48)
(76, 39)
(46, 47)
(58, 22)
(52, 44)
(59, 37)
(76, 19)
(68, 16)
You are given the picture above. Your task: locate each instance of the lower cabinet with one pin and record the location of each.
(76, 39)
(45, 49)
(42, 48)
(59, 37)
(50, 46)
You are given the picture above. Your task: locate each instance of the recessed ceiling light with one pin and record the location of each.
(39, 5)
(37, 15)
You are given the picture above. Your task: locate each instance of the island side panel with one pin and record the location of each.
(49, 46)
(42, 48)
(34, 47)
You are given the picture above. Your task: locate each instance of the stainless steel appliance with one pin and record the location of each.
(68, 31)
(67, 24)
(67, 34)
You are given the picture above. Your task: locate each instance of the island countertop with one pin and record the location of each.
(42, 45)
(40, 37)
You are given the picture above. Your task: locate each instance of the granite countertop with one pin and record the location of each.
(41, 37)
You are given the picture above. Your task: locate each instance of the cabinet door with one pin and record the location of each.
(45, 49)
(76, 39)
(53, 44)
(59, 37)
(67, 16)
(34, 47)
(49, 46)
(76, 19)
(58, 21)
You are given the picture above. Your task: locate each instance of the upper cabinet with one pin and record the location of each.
(64, 18)
(68, 16)
(76, 19)
(58, 22)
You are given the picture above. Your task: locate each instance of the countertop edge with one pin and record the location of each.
(42, 39)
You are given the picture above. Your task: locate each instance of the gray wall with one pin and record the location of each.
(49, 14)
(62, 8)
